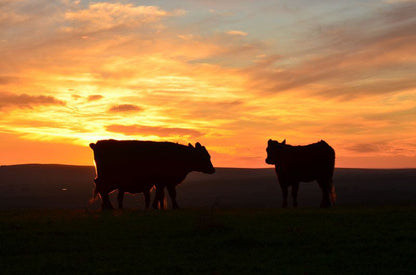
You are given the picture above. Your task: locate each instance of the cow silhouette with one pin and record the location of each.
(294, 164)
(136, 166)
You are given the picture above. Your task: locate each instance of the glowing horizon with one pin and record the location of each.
(229, 75)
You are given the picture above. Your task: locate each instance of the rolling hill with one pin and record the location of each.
(65, 186)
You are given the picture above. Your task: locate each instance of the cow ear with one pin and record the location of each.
(92, 145)
(198, 145)
(284, 141)
(270, 142)
(190, 145)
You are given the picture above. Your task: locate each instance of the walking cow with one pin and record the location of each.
(136, 166)
(294, 164)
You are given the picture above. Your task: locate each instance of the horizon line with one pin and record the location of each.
(221, 167)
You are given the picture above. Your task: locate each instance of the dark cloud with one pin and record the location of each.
(27, 101)
(125, 108)
(152, 130)
(94, 97)
(405, 114)
(4, 79)
(367, 147)
(76, 97)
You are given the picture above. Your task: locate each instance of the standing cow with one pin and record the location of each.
(136, 166)
(294, 164)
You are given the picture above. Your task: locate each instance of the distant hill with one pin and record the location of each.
(65, 186)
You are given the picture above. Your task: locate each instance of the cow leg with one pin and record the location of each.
(162, 199)
(284, 195)
(172, 194)
(146, 198)
(106, 204)
(160, 194)
(325, 202)
(295, 188)
(120, 199)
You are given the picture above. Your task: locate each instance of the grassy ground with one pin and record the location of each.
(346, 240)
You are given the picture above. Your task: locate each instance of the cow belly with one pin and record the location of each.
(135, 185)
(145, 182)
(136, 188)
(307, 172)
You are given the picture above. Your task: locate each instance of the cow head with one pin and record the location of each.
(274, 151)
(201, 160)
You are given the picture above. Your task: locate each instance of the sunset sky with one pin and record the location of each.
(229, 74)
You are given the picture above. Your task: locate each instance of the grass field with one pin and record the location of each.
(340, 240)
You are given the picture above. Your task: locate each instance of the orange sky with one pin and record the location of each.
(229, 75)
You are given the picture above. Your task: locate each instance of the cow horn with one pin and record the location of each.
(190, 145)
(284, 141)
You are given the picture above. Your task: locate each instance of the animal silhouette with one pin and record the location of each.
(136, 166)
(295, 164)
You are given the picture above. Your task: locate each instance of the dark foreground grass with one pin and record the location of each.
(270, 241)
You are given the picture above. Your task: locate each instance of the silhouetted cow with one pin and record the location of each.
(294, 164)
(136, 166)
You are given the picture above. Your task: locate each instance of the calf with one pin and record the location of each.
(294, 164)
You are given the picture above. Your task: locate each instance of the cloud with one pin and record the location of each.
(125, 108)
(94, 97)
(366, 147)
(152, 130)
(105, 15)
(26, 101)
(238, 33)
(402, 114)
(399, 1)
(353, 61)
(8, 79)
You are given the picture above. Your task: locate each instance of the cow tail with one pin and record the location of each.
(332, 193)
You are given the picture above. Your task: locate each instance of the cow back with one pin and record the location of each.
(307, 163)
(133, 159)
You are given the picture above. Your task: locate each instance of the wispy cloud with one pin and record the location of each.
(365, 148)
(105, 15)
(26, 101)
(94, 97)
(125, 108)
(152, 131)
(238, 33)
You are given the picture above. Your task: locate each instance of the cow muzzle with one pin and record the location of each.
(211, 171)
(269, 161)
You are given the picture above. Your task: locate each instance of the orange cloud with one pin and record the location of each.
(26, 101)
(125, 108)
(152, 131)
(238, 33)
(94, 97)
(104, 15)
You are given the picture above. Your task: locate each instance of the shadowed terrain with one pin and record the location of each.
(370, 231)
(64, 186)
(341, 240)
